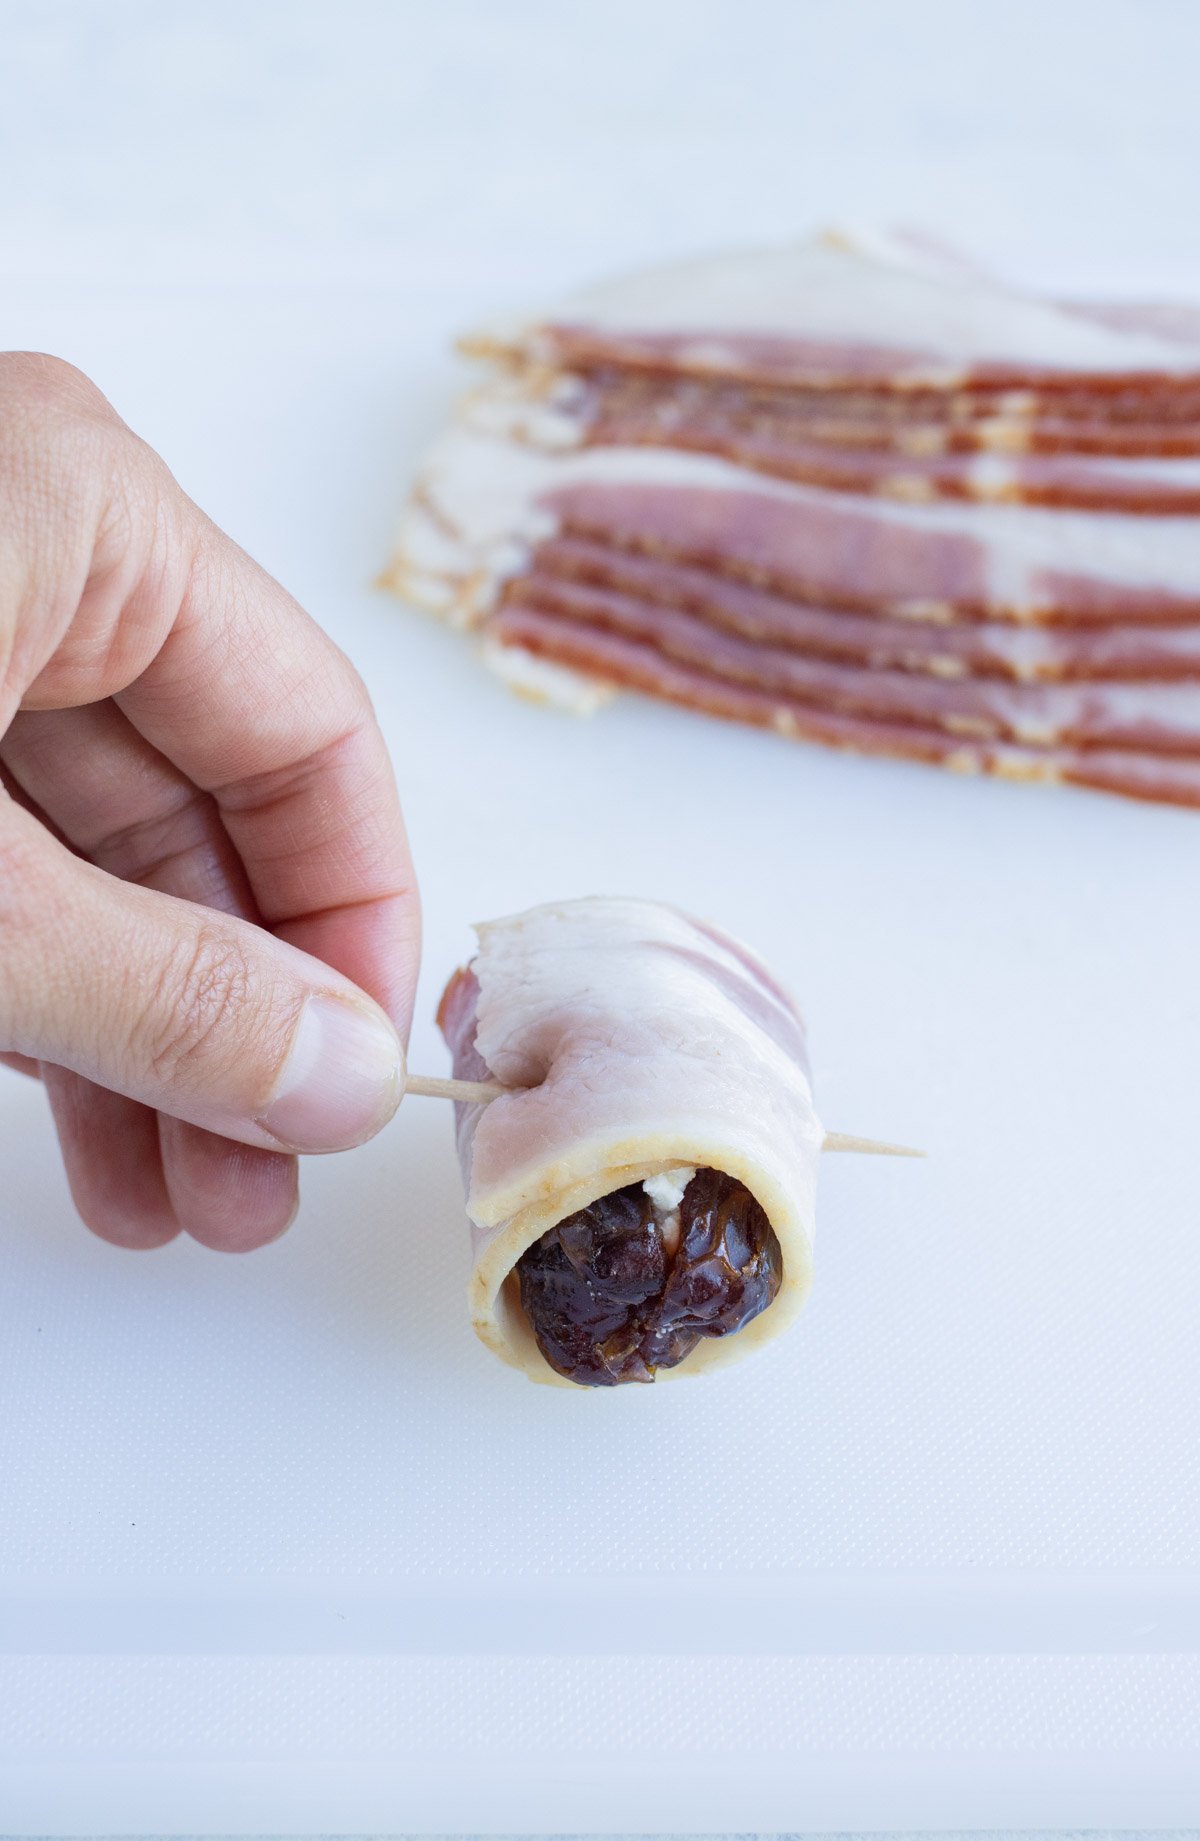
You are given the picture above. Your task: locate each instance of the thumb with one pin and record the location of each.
(191, 1011)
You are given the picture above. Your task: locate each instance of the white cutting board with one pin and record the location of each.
(280, 1545)
(281, 1549)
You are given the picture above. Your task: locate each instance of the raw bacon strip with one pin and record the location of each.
(859, 493)
(859, 443)
(1152, 718)
(482, 505)
(827, 315)
(921, 563)
(606, 393)
(619, 660)
(965, 649)
(1163, 487)
(1160, 486)
(645, 1045)
(915, 421)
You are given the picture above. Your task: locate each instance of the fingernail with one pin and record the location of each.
(342, 1080)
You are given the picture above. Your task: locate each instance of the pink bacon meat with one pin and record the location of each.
(482, 505)
(861, 495)
(1147, 717)
(944, 650)
(976, 451)
(614, 658)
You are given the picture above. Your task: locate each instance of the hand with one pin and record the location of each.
(209, 929)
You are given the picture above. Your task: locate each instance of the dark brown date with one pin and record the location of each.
(608, 1303)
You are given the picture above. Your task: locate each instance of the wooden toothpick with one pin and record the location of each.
(471, 1092)
(482, 1092)
(871, 1147)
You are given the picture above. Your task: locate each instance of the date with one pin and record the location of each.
(609, 1303)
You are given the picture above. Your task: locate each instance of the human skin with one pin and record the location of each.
(209, 925)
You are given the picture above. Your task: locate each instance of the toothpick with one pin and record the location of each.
(871, 1147)
(470, 1092)
(482, 1092)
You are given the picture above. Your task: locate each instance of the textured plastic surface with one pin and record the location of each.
(281, 1546)
(484, 1744)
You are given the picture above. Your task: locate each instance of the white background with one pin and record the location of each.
(279, 1545)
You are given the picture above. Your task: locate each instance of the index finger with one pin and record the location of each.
(257, 705)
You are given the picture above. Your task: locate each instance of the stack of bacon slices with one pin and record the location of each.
(855, 494)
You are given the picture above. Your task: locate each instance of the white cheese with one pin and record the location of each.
(666, 1190)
